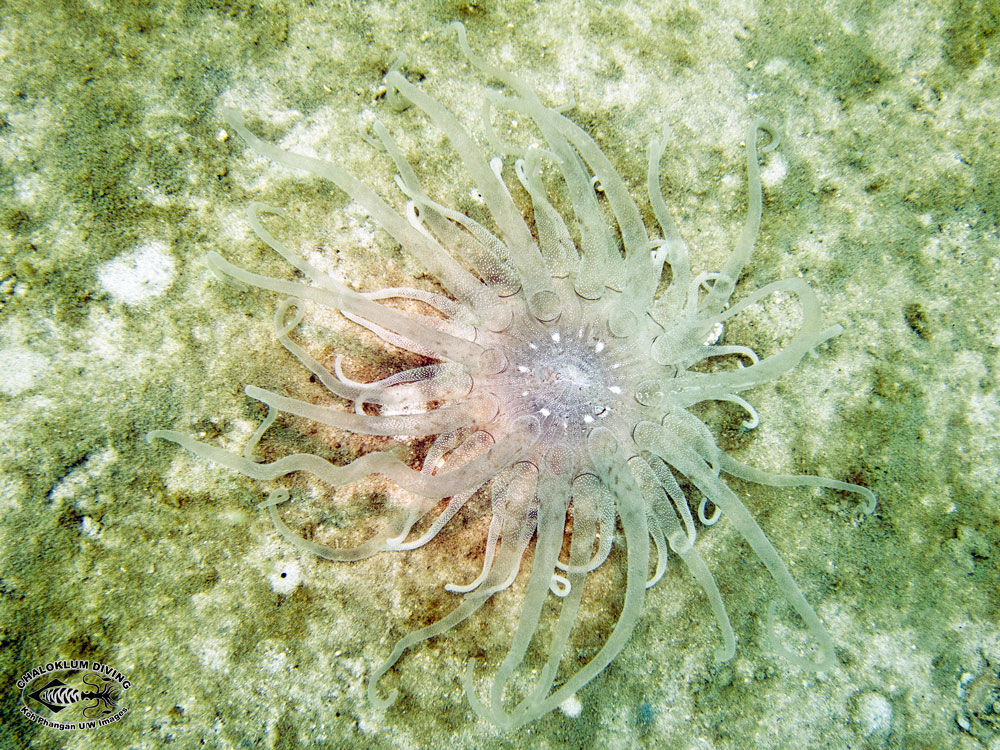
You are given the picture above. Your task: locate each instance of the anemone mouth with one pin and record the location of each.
(560, 384)
(565, 377)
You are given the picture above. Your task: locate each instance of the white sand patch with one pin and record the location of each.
(144, 273)
(286, 578)
(19, 367)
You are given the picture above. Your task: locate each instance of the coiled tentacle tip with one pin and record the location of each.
(373, 697)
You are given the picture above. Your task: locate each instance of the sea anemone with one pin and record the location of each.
(562, 365)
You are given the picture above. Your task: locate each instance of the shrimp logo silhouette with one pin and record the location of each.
(72, 694)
